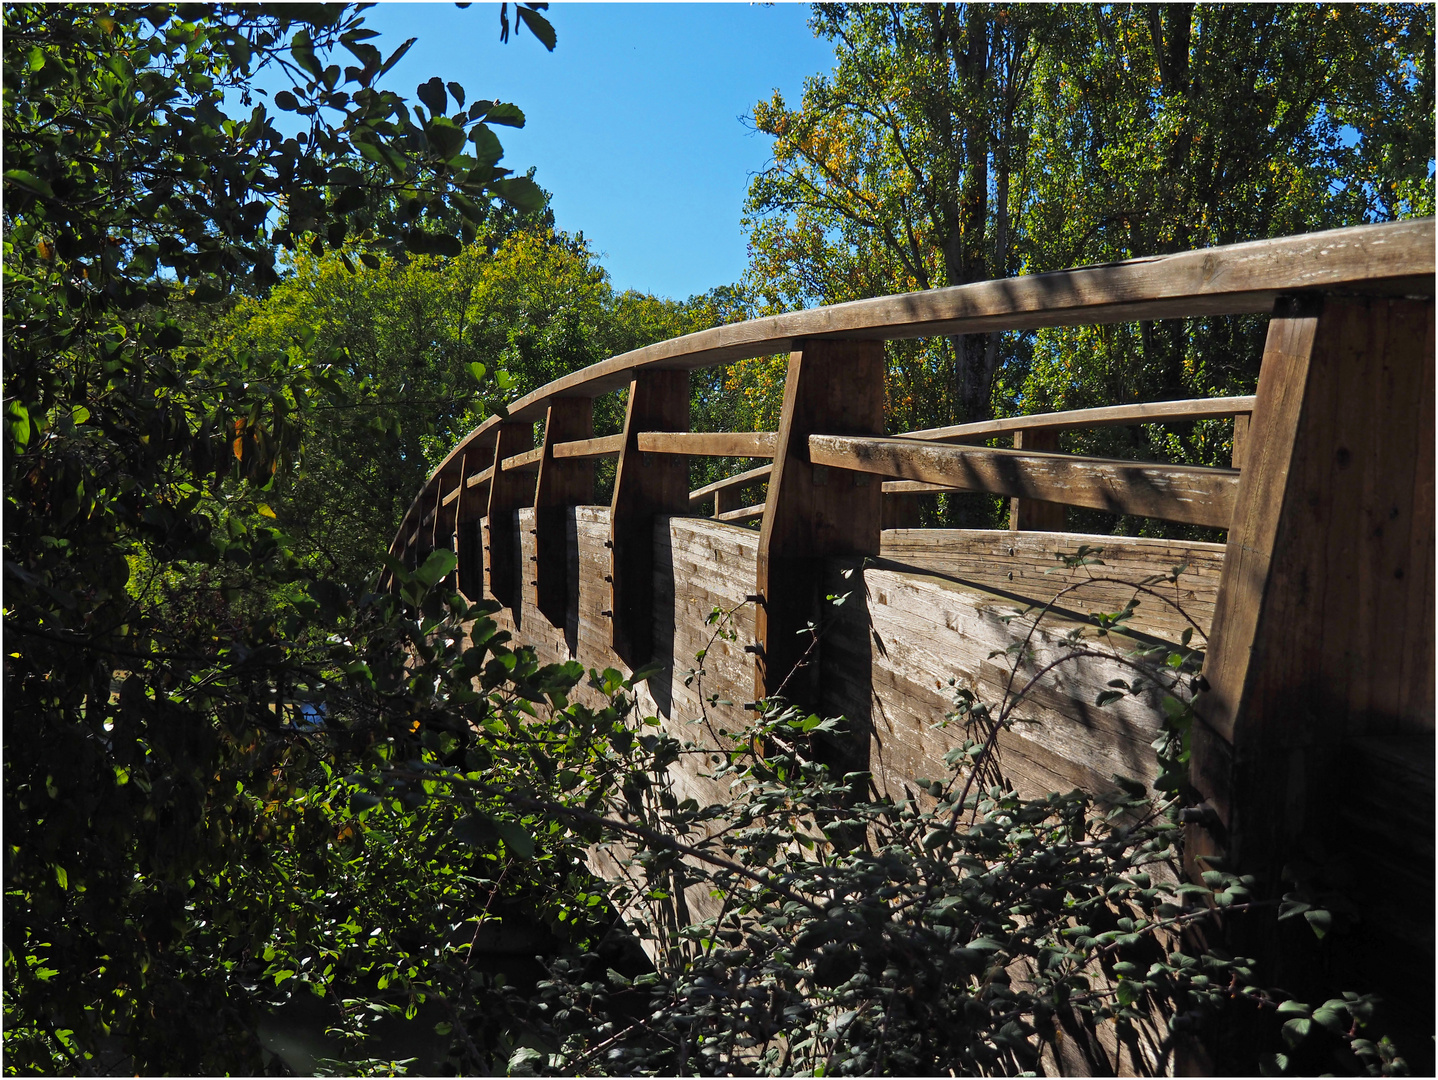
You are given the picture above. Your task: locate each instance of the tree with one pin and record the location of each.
(953, 143)
(151, 840)
(896, 171)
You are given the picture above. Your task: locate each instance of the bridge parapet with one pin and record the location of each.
(1318, 609)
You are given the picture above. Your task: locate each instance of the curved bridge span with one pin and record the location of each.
(1317, 612)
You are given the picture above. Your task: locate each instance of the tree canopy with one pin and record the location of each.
(953, 143)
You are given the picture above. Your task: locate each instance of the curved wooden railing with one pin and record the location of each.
(833, 420)
(1318, 609)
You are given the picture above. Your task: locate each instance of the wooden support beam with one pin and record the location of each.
(646, 486)
(1035, 515)
(901, 509)
(726, 501)
(563, 483)
(604, 446)
(508, 491)
(1148, 412)
(1184, 493)
(918, 487)
(738, 480)
(470, 509)
(527, 461)
(1323, 635)
(754, 444)
(1323, 625)
(814, 510)
(482, 477)
(1241, 425)
(741, 514)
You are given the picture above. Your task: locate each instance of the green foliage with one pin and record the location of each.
(171, 807)
(961, 928)
(956, 143)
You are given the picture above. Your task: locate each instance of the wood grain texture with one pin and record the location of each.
(1035, 514)
(1189, 494)
(1027, 568)
(527, 461)
(753, 444)
(562, 483)
(508, 491)
(1323, 629)
(604, 446)
(646, 486)
(1241, 425)
(1152, 412)
(812, 512)
(738, 480)
(1395, 258)
(892, 648)
(741, 514)
(471, 506)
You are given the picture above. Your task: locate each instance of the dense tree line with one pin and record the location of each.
(238, 785)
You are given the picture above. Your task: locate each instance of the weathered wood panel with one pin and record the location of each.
(754, 444)
(1191, 494)
(1025, 566)
(893, 647)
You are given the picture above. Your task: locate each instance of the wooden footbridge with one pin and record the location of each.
(1318, 611)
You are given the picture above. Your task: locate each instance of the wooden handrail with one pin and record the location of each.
(754, 444)
(525, 462)
(743, 479)
(1073, 420)
(1190, 494)
(1390, 259)
(1151, 412)
(603, 446)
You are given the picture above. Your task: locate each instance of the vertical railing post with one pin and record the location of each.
(646, 486)
(563, 483)
(725, 500)
(1323, 626)
(469, 514)
(1035, 515)
(812, 512)
(508, 491)
(1241, 424)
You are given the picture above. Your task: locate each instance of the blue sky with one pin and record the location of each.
(633, 122)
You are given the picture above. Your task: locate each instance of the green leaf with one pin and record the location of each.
(519, 842)
(506, 114)
(522, 193)
(1293, 1008)
(487, 147)
(30, 182)
(538, 25)
(1295, 1031)
(432, 94)
(439, 565)
(1334, 1016)
(1320, 920)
